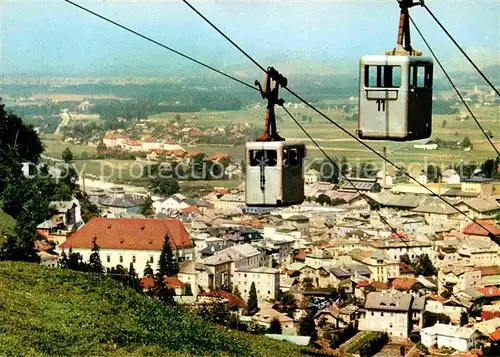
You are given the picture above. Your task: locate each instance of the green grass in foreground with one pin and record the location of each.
(53, 312)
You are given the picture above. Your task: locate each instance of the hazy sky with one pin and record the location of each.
(54, 37)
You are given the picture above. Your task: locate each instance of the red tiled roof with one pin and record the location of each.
(404, 284)
(216, 157)
(495, 336)
(231, 298)
(489, 270)
(157, 151)
(302, 254)
(376, 284)
(190, 209)
(476, 230)
(491, 291)
(148, 282)
(132, 143)
(127, 233)
(194, 154)
(174, 283)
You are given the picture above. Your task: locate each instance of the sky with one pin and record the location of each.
(52, 37)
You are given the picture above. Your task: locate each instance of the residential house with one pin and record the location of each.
(392, 312)
(130, 241)
(361, 184)
(149, 282)
(231, 300)
(222, 265)
(437, 212)
(450, 176)
(155, 154)
(480, 185)
(381, 266)
(483, 228)
(176, 202)
(471, 251)
(456, 337)
(266, 315)
(120, 203)
(311, 177)
(457, 278)
(266, 279)
(451, 307)
(396, 248)
(149, 143)
(479, 208)
(319, 258)
(230, 201)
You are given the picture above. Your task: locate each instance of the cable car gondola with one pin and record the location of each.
(274, 167)
(395, 90)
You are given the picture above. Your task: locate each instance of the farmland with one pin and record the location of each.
(335, 143)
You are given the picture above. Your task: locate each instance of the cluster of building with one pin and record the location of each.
(312, 249)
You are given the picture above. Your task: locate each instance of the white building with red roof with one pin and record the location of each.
(124, 241)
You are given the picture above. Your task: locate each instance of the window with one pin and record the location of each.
(383, 76)
(293, 157)
(421, 76)
(269, 292)
(263, 157)
(133, 259)
(121, 259)
(381, 314)
(108, 258)
(151, 260)
(373, 313)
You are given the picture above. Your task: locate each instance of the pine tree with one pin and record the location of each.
(147, 209)
(95, 264)
(133, 278)
(252, 304)
(63, 262)
(148, 271)
(307, 327)
(275, 327)
(167, 265)
(236, 292)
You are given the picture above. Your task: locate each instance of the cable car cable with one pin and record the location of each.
(490, 233)
(225, 36)
(461, 50)
(161, 45)
(455, 88)
(367, 199)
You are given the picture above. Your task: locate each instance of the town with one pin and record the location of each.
(327, 273)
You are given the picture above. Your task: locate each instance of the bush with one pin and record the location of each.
(415, 337)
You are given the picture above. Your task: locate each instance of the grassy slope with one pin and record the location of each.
(57, 312)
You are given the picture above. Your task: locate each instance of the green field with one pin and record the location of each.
(54, 147)
(53, 312)
(338, 144)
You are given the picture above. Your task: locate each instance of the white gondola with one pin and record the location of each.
(395, 97)
(274, 173)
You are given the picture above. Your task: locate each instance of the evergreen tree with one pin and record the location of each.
(67, 155)
(63, 262)
(252, 304)
(148, 210)
(307, 327)
(167, 265)
(275, 327)
(236, 292)
(148, 271)
(95, 264)
(133, 278)
(464, 318)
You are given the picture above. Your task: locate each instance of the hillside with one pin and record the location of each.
(58, 312)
